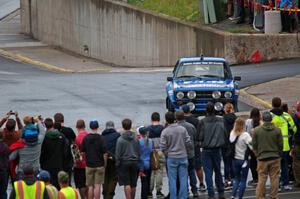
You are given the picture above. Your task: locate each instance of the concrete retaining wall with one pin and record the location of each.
(120, 34)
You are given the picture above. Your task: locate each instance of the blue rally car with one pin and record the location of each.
(199, 80)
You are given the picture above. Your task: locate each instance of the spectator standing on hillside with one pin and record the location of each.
(295, 152)
(66, 191)
(45, 177)
(212, 135)
(179, 116)
(110, 136)
(59, 120)
(53, 152)
(198, 157)
(251, 123)
(229, 119)
(241, 140)
(268, 145)
(127, 159)
(4, 156)
(80, 160)
(175, 143)
(95, 151)
(285, 122)
(155, 130)
(30, 153)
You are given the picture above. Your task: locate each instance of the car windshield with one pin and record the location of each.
(201, 70)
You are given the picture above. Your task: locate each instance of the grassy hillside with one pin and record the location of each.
(187, 10)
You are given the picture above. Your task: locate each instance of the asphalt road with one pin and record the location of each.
(109, 96)
(105, 96)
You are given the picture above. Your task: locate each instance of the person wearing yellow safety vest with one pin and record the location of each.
(29, 187)
(45, 177)
(286, 124)
(66, 192)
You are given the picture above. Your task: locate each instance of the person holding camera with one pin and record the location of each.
(11, 135)
(30, 153)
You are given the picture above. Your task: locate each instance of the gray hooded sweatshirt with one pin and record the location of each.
(128, 148)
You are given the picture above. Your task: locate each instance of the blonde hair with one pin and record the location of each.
(228, 108)
(239, 126)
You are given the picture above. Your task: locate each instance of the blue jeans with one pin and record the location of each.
(178, 167)
(211, 159)
(284, 168)
(3, 184)
(240, 178)
(192, 175)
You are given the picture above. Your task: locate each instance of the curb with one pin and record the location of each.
(263, 103)
(22, 58)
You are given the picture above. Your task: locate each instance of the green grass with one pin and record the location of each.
(187, 10)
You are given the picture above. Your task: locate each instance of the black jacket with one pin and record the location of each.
(212, 133)
(4, 155)
(110, 136)
(229, 120)
(54, 151)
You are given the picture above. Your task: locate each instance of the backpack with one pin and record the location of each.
(154, 160)
(231, 149)
(30, 134)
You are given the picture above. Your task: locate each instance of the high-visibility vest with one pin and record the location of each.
(282, 121)
(52, 191)
(68, 193)
(34, 191)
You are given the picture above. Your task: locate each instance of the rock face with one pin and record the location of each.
(117, 33)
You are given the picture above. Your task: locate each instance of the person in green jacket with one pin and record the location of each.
(267, 145)
(288, 128)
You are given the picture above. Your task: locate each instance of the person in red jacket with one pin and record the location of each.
(80, 160)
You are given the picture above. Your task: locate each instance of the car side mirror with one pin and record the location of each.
(237, 78)
(169, 79)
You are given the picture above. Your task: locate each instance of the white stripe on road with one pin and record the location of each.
(8, 73)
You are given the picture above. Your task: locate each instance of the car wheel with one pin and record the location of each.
(169, 105)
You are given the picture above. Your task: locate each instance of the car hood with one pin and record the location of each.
(202, 83)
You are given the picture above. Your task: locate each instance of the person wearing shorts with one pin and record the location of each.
(127, 159)
(94, 148)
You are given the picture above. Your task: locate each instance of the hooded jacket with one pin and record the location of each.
(110, 136)
(283, 121)
(267, 141)
(54, 150)
(128, 148)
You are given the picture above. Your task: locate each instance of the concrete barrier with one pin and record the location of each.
(117, 33)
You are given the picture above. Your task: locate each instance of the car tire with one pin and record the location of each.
(169, 105)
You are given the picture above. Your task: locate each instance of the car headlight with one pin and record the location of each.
(216, 94)
(191, 94)
(218, 106)
(180, 95)
(228, 94)
(191, 105)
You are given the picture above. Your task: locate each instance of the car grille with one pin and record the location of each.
(201, 95)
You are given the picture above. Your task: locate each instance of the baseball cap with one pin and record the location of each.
(267, 117)
(44, 175)
(186, 108)
(94, 124)
(142, 130)
(110, 125)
